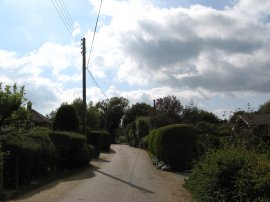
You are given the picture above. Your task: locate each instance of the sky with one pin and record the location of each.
(212, 52)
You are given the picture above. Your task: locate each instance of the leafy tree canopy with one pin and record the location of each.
(11, 98)
(265, 108)
(137, 110)
(112, 111)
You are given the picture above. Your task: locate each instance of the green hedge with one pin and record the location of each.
(100, 139)
(71, 149)
(29, 155)
(231, 174)
(174, 144)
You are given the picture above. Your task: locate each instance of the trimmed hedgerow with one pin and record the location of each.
(28, 154)
(100, 139)
(231, 174)
(71, 149)
(174, 144)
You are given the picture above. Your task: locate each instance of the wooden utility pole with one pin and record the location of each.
(84, 84)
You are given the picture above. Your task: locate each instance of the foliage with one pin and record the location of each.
(112, 112)
(137, 110)
(174, 144)
(30, 153)
(11, 99)
(66, 119)
(264, 108)
(44, 155)
(207, 142)
(100, 139)
(71, 149)
(204, 127)
(230, 174)
(167, 111)
(169, 104)
(192, 114)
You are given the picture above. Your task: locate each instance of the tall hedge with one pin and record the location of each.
(175, 145)
(71, 149)
(100, 139)
(66, 119)
(28, 156)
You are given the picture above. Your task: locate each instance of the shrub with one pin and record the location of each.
(66, 119)
(23, 150)
(71, 149)
(175, 145)
(232, 174)
(100, 139)
(151, 137)
(142, 126)
(43, 157)
(206, 142)
(206, 128)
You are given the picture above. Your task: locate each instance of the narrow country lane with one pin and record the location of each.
(125, 174)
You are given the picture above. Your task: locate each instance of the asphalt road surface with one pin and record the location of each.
(125, 174)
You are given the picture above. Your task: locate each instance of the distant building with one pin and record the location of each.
(257, 124)
(37, 119)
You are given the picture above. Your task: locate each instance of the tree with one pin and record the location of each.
(265, 108)
(11, 99)
(92, 117)
(135, 111)
(112, 111)
(66, 119)
(167, 111)
(192, 114)
(170, 105)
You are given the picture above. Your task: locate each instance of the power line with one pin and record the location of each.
(61, 14)
(94, 34)
(69, 18)
(91, 48)
(97, 83)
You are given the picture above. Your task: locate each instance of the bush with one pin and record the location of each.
(25, 154)
(174, 144)
(71, 149)
(142, 126)
(66, 119)
(207, 142)
(100, 139)
(232, 174)
(206, 128)
(43, 158)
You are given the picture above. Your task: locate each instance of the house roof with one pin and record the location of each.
(39, 118)
(255, 119)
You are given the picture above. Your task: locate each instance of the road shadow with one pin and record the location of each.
(111, 151)
(123, 181)
(23, 193)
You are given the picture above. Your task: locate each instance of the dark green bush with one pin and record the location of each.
(100, 139)
(43, 157)
(66, 119)
(23, 150)
(71, 149)
(230, 174)
(207, 142)
(174, 144)
(206, 128)
(106, 141)
(151, 137)
(142, 126)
